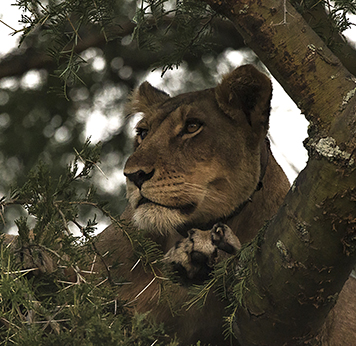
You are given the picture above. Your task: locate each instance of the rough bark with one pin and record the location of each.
(318, 19)
(307, 251)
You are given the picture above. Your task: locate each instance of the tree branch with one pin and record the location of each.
(37, 58)
(308, 71)
(319, 21)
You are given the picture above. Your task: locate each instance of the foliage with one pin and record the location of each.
(339, 13)
(184, 25)
(63, 22)
(43, 126)
(40, 305)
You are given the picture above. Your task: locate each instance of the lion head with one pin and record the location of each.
(197, 155)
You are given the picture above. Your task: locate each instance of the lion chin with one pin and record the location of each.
(158, 219)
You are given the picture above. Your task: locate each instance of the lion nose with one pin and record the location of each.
(139, 177)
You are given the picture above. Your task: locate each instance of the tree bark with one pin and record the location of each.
(318, 20)
(282, 295)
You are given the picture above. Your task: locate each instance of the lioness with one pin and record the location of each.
(200, 158)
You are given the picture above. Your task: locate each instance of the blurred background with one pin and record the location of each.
(42, 120)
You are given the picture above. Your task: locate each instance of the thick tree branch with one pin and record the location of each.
(320, 22)
(305, 258)
(308, 71)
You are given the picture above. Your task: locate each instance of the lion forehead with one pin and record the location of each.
(181, 107)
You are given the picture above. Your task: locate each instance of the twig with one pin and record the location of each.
(7, 25)
(2, 211)
(96, 251)
(135, 265)
(88, 272)
(145, 288)
(51, 320)
(93, 264)
(74, 29)
(70, 283)
(40, 322)
(100, 283)
(94, 163)
(64, 219)
(115, 309)
(76, 269)
(8, 323)
(21, 271)
(285, 12)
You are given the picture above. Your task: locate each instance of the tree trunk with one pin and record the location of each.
(299, 265)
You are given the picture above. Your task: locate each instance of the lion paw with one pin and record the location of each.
(194, 257)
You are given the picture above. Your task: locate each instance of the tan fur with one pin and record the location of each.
(340, 326)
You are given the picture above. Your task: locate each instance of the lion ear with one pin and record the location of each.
(145, 97)
(249, 90)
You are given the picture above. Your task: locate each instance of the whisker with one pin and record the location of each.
(214, 196)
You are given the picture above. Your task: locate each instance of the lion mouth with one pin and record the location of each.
(184, 209)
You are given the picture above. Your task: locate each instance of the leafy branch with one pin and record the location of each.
(181, 28)
(49, 291)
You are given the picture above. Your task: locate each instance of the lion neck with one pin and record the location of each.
(265, 154)
(264, 160)
(263, 204)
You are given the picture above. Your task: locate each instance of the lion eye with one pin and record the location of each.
(192, 127)
(141, 133)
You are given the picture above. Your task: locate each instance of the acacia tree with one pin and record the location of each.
(290, 279)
